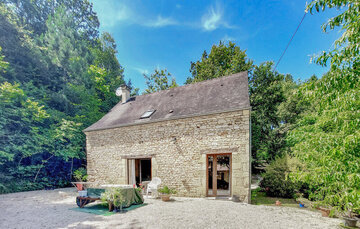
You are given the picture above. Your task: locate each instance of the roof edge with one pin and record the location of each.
(168, 119)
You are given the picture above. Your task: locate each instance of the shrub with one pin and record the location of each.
(276, 181)
(113, 195)
(167, 190)
(80, 174)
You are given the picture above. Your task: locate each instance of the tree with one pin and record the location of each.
(60, 79)
(346, 52)
(104, 53)
(65, 47)
(223, 60)
(34, 13)
(3, 64)
(265, 89)
(158, 81)
(21, 122)
(326, 139)
(266, 94)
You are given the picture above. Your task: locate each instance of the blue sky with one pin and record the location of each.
(172, 33)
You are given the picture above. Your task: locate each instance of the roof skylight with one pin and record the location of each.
(147, 114)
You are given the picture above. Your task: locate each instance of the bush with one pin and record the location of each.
(167, 190)
(276, 181)
(113, 195)
(80, 174)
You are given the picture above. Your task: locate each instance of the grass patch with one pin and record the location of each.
(260, 198)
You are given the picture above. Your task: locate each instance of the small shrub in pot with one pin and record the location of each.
(166, 193)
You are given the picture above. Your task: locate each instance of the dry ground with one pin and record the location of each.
(50, 209)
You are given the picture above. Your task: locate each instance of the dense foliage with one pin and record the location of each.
(325, 137)
(223, 60)
(276, 181)
(346, 52)
(57, 76)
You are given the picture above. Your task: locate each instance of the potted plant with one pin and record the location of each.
(166, 192)
(80, 177)
(114, 198)
(323, 208)
(348, 216)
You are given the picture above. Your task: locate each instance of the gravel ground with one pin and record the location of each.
(50, 209)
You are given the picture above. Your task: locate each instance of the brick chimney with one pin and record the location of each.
(124, 92)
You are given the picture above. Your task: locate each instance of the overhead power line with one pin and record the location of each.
(287, 46)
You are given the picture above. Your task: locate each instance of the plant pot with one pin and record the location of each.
(349, 222)
(80, 187)
(165, 197)
(111, 206)
(324, 212)
(83, 193)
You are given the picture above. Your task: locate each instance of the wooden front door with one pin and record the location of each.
(218, 175)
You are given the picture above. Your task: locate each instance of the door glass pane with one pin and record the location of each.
(223, 175)
(210, 175)
(145, 170)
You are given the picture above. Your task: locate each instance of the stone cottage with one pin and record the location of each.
(196, 138)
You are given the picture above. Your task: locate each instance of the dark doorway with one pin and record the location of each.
(145, 168)
(139, 170)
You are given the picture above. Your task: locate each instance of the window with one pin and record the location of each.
(147, 114)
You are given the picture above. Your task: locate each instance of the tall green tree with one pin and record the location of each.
(326, 137)
(113, 73)
(346, 52)
(64, 45)
(59, 67)
(3, 64)
(266, 95)
(34, 13)
(224, 59)
(159, 80)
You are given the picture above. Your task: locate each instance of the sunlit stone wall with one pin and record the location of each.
(177, 149)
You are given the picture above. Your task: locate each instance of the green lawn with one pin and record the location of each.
(260, 198)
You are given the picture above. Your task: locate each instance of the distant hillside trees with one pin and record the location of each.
(57, 76)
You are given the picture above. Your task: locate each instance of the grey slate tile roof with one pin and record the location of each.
(212, 96)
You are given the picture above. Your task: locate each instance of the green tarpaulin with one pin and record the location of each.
(131, 195)
(101, 209)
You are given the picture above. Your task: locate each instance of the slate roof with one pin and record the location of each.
(212, 96)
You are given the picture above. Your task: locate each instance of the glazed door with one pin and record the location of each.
(218, 174)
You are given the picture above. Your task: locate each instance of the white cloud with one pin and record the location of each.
(161, 22)
(213, 18)
(178, 6)
(110, 15)
(141, 70)
(228, 38)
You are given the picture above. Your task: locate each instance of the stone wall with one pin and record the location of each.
(177, 149)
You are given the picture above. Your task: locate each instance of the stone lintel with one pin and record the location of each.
(137, 156)
(219, 151)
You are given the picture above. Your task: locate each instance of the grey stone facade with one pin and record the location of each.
(178, 150)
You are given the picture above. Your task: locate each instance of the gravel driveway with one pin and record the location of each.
(50, 209)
